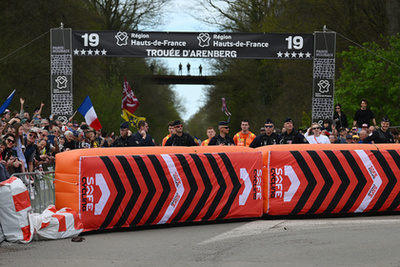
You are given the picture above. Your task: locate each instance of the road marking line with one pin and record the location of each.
(261, 226)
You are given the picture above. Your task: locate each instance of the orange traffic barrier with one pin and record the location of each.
(331, 179)
(127, 187)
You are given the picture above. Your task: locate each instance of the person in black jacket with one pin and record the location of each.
(179, 138)
(291, 135)
(4, 175)
(222, 139)
(267, 138)
(339, 118)
(124, 139)
(141, 137)
(382, 135)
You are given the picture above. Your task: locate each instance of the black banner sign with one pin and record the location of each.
(61, 73)
(193, 44)
(324, 76)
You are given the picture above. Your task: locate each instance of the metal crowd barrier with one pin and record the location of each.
(40, 187)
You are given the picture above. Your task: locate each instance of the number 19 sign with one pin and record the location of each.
(193, 44)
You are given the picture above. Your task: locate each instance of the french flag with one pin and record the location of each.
(87, 110)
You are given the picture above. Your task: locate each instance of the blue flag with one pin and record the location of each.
(7, 102)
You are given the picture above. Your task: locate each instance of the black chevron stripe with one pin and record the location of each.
(235, 182)
(362, 181)
(396, 202)
(150, 186)
(391, 177)
(327, 178)
(165, 185)
(120, 189)
(345, 181)
(221, 183)
(193, 188)
(207, 187)
(312, 182)
(135, 188)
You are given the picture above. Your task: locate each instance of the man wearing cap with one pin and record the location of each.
(223, 139)
(84, 127)
(7, 115)
(356, 139)
(123, 140)
(267, 138)
(365, 127)
(382, 135)
(349, 139)
(79, 137)
(342, 136)
(141, 137)
(26, 126)
(179, 138)
(291, 135)
(244, 137)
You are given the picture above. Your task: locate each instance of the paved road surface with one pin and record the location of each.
(351, 241)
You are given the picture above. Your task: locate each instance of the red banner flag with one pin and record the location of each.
(129, 101)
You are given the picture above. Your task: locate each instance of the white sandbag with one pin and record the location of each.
(14, 209)
(53, 224)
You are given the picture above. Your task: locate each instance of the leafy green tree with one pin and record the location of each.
(372, 73)
(289, 83)
(25, 60)
(24, 46)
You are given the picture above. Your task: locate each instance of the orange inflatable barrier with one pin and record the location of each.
(127, 187)
(331, 179)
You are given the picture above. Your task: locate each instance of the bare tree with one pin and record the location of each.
(129, 14)
(238, 15)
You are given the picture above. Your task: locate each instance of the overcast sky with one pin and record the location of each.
(179, 20)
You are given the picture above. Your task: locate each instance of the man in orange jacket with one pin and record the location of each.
(210, 134)
(244, 137)
(171, 131)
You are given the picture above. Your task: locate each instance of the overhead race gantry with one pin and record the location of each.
(67, 43)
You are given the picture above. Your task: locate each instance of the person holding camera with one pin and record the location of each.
(10, 156)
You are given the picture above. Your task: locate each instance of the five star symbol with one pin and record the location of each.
(293, 54)
(90, 52)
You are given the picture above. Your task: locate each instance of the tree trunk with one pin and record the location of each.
(393, 16)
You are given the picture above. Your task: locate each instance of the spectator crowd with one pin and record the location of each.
(29, 142)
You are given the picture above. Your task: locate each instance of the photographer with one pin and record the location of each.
(10, 156)
(42, 155)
